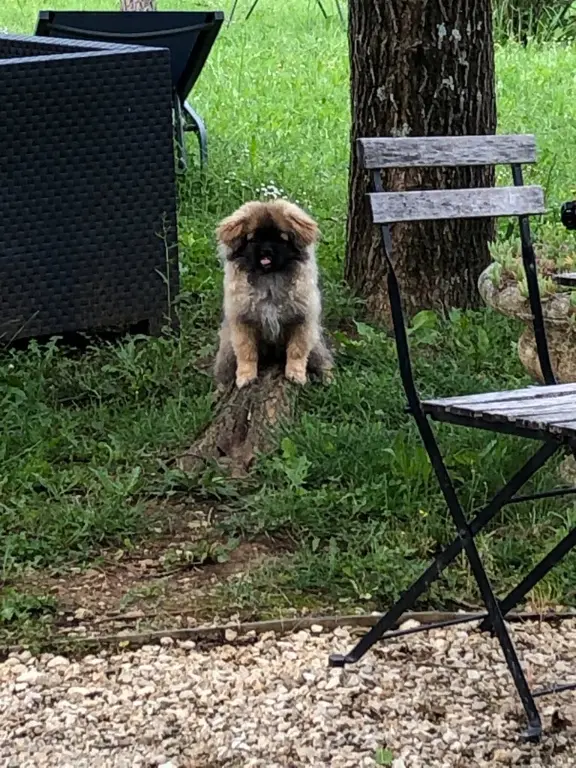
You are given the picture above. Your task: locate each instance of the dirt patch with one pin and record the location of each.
(170, 580)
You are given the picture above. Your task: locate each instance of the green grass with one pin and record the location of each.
(86, 439)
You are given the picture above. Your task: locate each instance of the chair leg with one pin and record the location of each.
(232, 12)
(464, 541)
(251, 9)
(536, 575)
(443, 560)
(340, 11)
(196, 124)
(155, 326)
(466, 535)
(534, 730)
(323, 10)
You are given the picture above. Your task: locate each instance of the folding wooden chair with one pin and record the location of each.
(544, 413)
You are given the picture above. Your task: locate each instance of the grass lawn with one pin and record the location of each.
(87, 440)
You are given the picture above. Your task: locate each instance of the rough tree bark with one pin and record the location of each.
(420, 68)
(137, 5)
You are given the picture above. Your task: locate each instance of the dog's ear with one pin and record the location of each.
(300, 223)
(232, 228)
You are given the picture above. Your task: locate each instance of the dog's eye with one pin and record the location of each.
(284, 236)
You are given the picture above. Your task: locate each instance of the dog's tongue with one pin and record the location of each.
(265, 261)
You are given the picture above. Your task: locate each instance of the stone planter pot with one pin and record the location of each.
(560, 329)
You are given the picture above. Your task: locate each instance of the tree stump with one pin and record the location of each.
(242, 425)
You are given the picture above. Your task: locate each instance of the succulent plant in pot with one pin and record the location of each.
(503, 287)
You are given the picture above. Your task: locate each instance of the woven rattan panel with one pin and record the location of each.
(87, 191)
(17, 47)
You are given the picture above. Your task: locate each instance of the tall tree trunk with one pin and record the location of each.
(420, 68)
(137, 5)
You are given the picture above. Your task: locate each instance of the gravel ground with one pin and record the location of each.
(441, 699)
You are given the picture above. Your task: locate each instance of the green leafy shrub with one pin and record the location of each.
(540, 20)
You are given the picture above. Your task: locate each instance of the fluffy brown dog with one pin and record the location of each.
(272, 305)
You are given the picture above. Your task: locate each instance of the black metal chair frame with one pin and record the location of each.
(186, 119)
(462, 151)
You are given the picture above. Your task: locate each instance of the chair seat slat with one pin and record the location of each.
(527, 393)
(556, 423)
(534, 417)
(553, 414)
(519, 407)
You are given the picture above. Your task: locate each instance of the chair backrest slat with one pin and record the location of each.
(390, 207)
(376, 154)
(446, 151)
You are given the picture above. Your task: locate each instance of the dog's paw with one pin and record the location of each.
(245, 379)
(296, 375)
(327, 376)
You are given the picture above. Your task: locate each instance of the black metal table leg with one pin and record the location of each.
(194, 122)
(232, 12)
(181, 155)
(252, 9)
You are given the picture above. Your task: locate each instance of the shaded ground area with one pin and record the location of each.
(181, 577)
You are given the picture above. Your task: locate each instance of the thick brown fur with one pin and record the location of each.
(272, 302)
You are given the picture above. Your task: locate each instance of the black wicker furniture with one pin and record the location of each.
(88, 240)
(189, 36)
